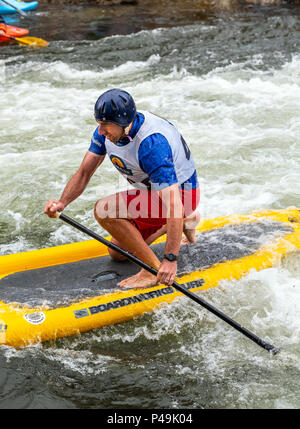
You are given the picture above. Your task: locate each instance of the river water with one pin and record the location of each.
(230, 80)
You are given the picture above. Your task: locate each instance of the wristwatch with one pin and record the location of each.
(170, 257)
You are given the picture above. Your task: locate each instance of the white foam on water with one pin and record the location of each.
(83, 362)
(242, 125)
(2, 72)
(80, 361)
(15, 246)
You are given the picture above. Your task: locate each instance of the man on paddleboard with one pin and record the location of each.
(153, 156)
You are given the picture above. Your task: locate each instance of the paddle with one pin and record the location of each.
(15, 7)
(179, 287)
(34, 42)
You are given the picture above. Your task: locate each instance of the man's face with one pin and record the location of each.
(112, 131)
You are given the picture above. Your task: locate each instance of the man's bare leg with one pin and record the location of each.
(127, 236)
(132, 241)
(189, 228)
(135, 281)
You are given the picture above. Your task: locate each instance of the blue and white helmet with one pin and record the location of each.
(116, 106)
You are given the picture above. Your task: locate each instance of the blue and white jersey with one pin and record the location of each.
(154, 154)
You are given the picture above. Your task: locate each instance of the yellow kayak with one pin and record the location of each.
(60, 291)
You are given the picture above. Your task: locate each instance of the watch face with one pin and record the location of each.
(170, 257)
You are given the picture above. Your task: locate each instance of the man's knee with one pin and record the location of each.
(103, 210)
(112, 207)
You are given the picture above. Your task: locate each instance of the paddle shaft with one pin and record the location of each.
(34, 42)
(14, 7)
(176, 285)
(16, 39)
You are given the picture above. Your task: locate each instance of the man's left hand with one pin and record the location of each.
(167, 272)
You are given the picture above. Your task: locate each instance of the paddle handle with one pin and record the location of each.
(181, 288)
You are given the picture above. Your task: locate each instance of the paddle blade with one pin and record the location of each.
(32, 41)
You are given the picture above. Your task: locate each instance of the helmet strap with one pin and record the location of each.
(127, 129)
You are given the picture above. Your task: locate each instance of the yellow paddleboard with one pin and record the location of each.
(51, 293)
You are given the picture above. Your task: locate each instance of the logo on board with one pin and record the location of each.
(35, 318)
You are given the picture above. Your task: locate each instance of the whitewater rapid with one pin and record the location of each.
(238, 109)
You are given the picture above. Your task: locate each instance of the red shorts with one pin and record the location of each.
(148, 213)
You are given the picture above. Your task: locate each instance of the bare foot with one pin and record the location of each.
(189, 228)
(139, 280)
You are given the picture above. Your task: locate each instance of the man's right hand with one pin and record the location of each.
(53, 206)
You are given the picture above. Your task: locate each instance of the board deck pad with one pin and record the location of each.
(62, 284)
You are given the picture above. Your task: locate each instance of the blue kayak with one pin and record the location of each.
(24, 6)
